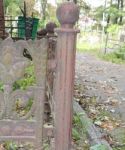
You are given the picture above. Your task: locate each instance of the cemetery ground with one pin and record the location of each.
(100, 90)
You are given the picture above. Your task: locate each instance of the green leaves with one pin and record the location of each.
(99, 147)
(12, 7)
(114, 28)
(28, 80)
(10, 146)
(76, 134)
(114, 12)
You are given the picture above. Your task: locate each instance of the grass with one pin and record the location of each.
(79, 133)
(86, 47)
(27, 80)
(112, 57)
(91, 42)
(95, 49)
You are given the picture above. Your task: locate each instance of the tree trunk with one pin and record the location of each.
(109, 17)
(121, 17)
(118, 7)
(43, 9)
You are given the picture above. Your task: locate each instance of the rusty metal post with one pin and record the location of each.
(67, 14)
(2, 23)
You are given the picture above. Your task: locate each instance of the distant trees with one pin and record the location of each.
(43, 8)
(29, 7)
(114, 11)
(12, 7)
(47, 11)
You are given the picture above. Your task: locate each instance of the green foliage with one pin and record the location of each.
(1, 86)
(76, 135)
(28, 80)
(83, 5)
(112, 57)
(42, 23)
(10, 146)
(78, 127)
(121, 53)
(12, 7)
(50, 16)
(87, 47)
(99, 147)
(114, 11)
(83, 45)
(79, 132)
(15, 146)
(98, 13)
(113, 28)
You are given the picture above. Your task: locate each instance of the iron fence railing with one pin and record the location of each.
(49, 55)
(20, 28)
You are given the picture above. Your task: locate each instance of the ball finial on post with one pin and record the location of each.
(68, 14)
(50, 27)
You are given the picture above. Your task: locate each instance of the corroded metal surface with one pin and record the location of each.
(42, 32)
(47, 32)
(67, 14)
(50, 27)
(51, 66)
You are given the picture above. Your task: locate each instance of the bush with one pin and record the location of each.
(115, 57)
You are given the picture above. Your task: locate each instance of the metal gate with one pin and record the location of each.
(30, 126)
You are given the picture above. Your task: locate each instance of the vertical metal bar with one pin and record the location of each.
(68, 14)
(11, 32)
(2, 22)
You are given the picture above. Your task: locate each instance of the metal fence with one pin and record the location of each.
(54, 63)
(9, 28)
